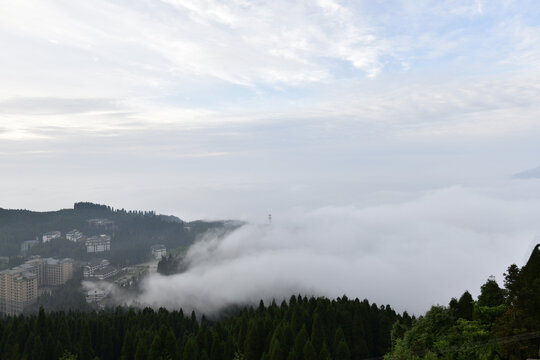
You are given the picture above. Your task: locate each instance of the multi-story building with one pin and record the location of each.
(158, 252)
(74, 235)
(96, 295)
(57, 272)
(48, 236)
(105, 273)
(18, 288)
(99, 269)
(94, 265)
(98, 243)
(35, 266)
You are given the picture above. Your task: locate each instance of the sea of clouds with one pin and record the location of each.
(410, 254)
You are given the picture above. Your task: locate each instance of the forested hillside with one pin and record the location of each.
(314, 328)
(132, 234)
(503, 323)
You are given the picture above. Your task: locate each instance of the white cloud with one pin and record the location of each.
(411, 254)
(242, 43)
(148, 56)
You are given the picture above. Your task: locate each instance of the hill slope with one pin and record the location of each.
(132, 232)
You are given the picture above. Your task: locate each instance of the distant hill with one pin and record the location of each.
(529, 174)
(132, 232)
(170, 218)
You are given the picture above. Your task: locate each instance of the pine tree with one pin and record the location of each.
(169, 344)
(276, 352)
(216, 349)
(254, 344)
(30, 345)
(491, 294)
(342, 351)
(300, 342)
(309, 352)
(191, 351)
(465, 306)
(324, 354)
(141, 353)
(128, 346)
(317, 333)
(511, 283)
(339, 336)
(156, 349)
(85, 343)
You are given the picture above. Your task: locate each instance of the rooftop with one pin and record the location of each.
(96, 261)
(106, 270)
(98, 238)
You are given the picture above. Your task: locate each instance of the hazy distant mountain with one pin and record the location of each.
(529, 174)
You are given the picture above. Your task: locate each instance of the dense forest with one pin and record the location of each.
(503, 323)
(132, 234)
(302, 328)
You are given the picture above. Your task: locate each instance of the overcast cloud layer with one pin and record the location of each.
(377, 116)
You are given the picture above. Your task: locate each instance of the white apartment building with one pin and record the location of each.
(99, 243)
(94, 265)
(74, 235)
(96, 295)
(48, 236)
(158, 252)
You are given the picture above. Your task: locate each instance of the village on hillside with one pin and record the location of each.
(21, 285)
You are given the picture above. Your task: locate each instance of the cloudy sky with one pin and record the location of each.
(236, 109)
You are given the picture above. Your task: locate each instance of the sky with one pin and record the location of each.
(375, 115)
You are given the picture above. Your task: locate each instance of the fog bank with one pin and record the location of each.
(410, 254)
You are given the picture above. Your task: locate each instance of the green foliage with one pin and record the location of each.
(68, 356)
(65, 296)
(342, 351)
(325, 353)
(491, 294)
(471, 330)
(309, 351)
(60, 248)
(169, 265)
(465, 306)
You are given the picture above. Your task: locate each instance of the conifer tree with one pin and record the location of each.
(141, 353)
(317, 333)
(276, 353)
(253, 347)
(156, 349)
(342, 351)
(85, 343)
(216, 349)
(491, 294)
(324, 354)
(465, 306)
(300, 342)
(191, 351)
(339, 336)
(128, 346)
(309, 352)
